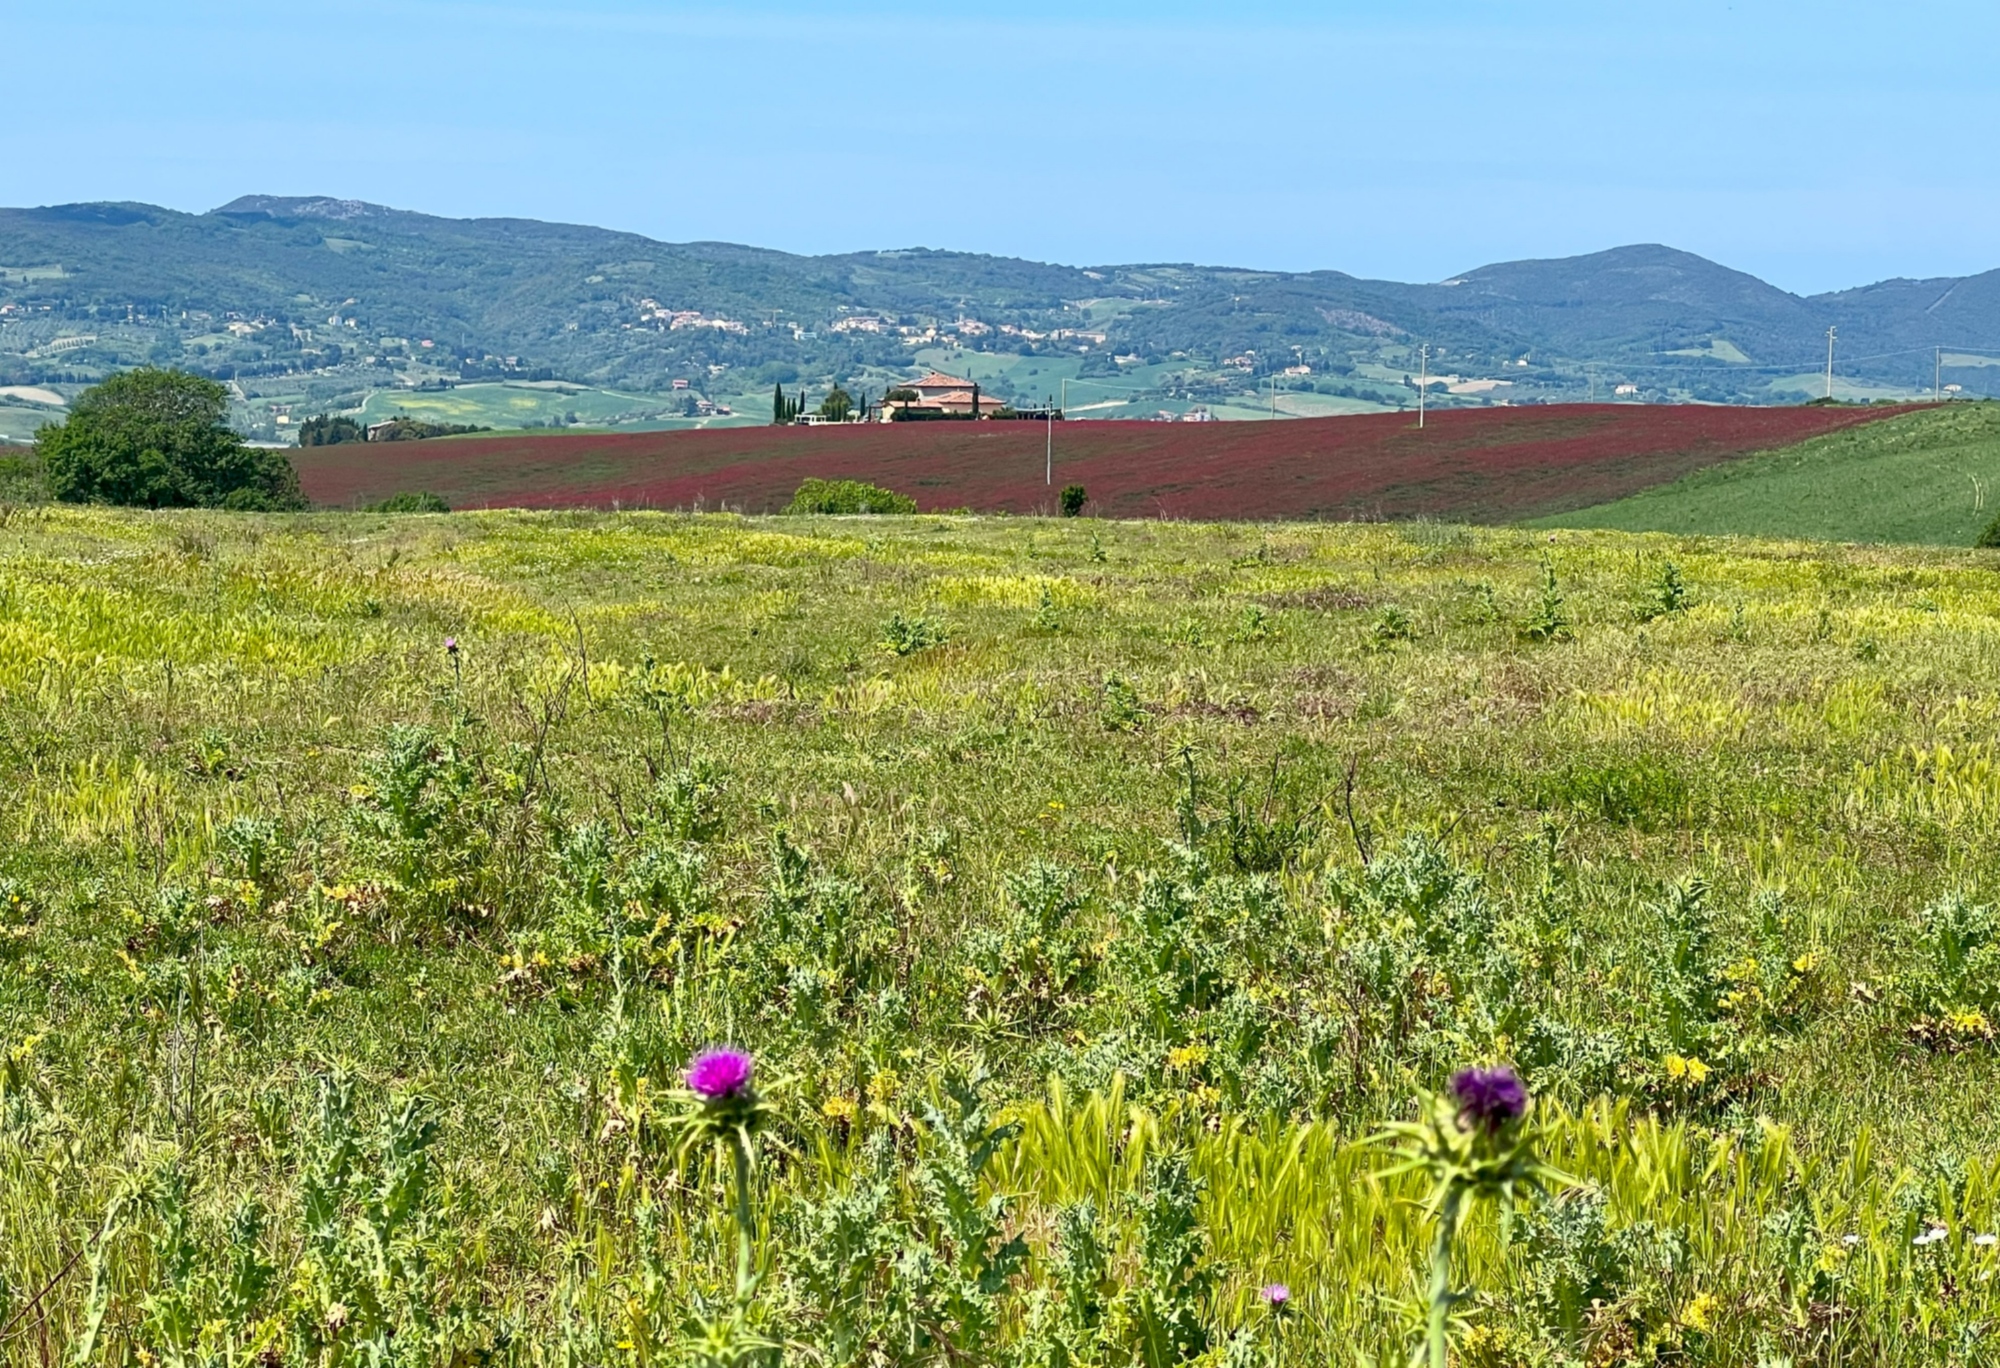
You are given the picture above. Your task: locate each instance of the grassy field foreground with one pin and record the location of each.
(1086, 892)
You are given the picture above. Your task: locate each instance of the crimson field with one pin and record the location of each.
(1479, 465)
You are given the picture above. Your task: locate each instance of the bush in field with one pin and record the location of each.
(156, 439)
(411, 502)
(848, 496)
(1073, 500)
(1990, 535)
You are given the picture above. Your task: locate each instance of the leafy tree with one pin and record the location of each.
(836, 406)
(1073, 500)
(153, 438)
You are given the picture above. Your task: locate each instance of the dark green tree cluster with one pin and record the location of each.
(785, 408)
(329, 430)
(153, 438)
(403, 428)
(1073, 500)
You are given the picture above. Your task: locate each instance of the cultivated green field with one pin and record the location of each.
(1085, 891)
(518, 404)
(1932, 477)
(19, 421)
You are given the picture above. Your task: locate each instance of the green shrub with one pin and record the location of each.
(1991, 535)
(1073, 500)
(411, 501)
(848, 496)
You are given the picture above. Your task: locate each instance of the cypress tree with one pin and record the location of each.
(778, 405)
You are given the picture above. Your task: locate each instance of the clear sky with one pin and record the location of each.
(1818, 145)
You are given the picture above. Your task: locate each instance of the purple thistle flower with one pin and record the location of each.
(1275, 1295)
(1489, 1098)
(719, 1075)
(451, 645)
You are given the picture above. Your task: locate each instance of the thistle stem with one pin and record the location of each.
(746, 1219)
(1441, 1298)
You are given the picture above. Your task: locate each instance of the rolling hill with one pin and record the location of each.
(318, 302)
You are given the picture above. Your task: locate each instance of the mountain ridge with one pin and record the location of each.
(299, 278)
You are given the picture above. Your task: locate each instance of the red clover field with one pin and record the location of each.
(652, 939)
(1473, 465)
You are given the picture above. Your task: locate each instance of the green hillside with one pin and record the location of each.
(1928, 478)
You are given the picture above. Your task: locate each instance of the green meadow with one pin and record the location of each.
(1087, 894)
(1928, 477)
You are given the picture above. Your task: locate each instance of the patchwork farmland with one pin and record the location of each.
(1477, 465)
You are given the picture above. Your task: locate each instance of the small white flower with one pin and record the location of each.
(1986, 1241)
(1850, 1240)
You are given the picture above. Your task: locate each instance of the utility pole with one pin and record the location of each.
(1051, 456)
(1829, 362)
(1937, 384)
(1423, 379)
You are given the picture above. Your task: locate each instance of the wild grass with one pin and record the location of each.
(1088, 893)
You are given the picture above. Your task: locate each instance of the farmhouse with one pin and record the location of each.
(940, 394)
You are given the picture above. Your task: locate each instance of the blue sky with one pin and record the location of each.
(1817, 145)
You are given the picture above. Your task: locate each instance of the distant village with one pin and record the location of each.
(662, 318)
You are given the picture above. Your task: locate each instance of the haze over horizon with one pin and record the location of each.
(1812, 146)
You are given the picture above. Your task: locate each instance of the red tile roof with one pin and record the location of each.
(939, 380)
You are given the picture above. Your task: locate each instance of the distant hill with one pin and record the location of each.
(321, 302)
(1646, 302)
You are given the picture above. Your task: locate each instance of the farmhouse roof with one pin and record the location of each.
(939, 380)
